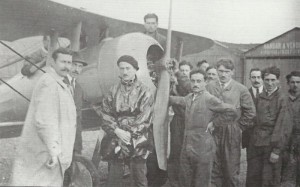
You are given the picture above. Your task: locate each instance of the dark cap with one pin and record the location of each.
(129, 60)
(78, 58)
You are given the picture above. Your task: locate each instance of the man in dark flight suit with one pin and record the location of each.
(177, 124)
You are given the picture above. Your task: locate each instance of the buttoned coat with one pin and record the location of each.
(49, 130)
(273, 121)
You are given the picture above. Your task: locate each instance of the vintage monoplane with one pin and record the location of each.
(88, 34)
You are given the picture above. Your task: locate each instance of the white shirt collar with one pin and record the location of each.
(270, 93)
(70, 78)
(260, 89)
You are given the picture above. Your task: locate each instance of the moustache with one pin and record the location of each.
(195, 87)
(66, 70)
(256, 83)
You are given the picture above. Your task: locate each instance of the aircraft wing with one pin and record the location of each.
(191, 43)
(24, 18)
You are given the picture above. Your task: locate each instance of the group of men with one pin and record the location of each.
(213, 114)
(264, 119)
(48, 144)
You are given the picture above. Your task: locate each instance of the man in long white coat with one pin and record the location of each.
(46, 145)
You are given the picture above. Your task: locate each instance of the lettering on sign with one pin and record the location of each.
(281, 48)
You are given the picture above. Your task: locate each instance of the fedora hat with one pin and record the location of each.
(78, 58)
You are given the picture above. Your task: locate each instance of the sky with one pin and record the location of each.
(234, 21)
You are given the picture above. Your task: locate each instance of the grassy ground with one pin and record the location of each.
(8, 147)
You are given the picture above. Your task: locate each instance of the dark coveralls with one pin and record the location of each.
(269, 135)
(291, 173)
(226, 166)
(177, 129)
(198, 147)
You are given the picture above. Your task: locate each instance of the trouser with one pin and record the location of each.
(196, 162)
(155, 176)
(291, 173)
(226, 166)
(261, 172)
(138, 171)
(177, 132)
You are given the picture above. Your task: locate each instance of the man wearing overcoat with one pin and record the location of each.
(270, 133)
(46, 144)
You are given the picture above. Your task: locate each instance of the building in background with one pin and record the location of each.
(223, 50)
(282, 51)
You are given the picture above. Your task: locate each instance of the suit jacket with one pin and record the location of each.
(78, 99)
(247, 133)
(273, 121)
(252, 95)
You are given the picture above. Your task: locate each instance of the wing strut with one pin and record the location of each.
(24, 59)
(21, 56)
(14, 89)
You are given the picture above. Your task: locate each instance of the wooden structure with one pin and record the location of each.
(282, 51)
(217, 51)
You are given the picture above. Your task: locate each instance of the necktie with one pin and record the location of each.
(67, 82)
(257, 92)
